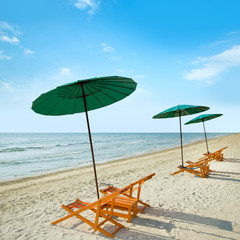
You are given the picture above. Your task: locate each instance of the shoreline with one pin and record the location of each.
(60, 157)
(76, 168)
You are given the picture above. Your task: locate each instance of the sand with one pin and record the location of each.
(183, 206)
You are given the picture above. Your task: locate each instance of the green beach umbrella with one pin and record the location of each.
(178, 111)
(203, 118)
(83, 96)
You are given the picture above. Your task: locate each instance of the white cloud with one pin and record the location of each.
(28, 51)
(90, 5)
(107, 48)
(5, 85)
(4, 57)
(215, 65)
(64, 70)
(5, 38)
(6, 26)
(233, 32)
(199, 60)
(8, 33)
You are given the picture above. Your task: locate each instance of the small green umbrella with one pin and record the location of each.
(178, 111)
(203, 118)
(83, 96)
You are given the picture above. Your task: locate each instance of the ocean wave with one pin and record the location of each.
(15, 149)
(23, 149)
(64, 154)
(42, 159)
(13, 162)
(66, 145)
(134, 142)
(4, 162)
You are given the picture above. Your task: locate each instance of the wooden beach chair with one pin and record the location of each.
(97, 208)
(123, 202)
(217, 155)
(199, 169)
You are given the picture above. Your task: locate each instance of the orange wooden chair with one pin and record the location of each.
(128, 201)
(200, 169)
(97, 208)
(217, 155)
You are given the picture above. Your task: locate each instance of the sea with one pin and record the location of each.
(30, 154)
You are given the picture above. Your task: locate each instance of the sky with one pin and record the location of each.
(178, 52)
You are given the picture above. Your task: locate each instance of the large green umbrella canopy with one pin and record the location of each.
(202, 118)
(178, 111)
(83, 96)
(69, 98)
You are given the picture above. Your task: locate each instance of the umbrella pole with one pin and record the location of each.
(205, 136)
(181, 136)
(90, 140)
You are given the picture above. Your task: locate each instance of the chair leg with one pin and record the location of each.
(129, 215)
(105, 233)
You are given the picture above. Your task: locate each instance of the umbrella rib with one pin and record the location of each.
(117, 85)
(75, 103)
(72, 93)
(111, 90)
(45, 99)
(94, 95)
(49, 112)
(106, 93)
(69, 89)
(117, 81)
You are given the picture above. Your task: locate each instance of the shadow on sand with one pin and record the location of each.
(224, 172)
(172, 217)
(234, 160)
(191, 218)
(223, 178)
(142, 225)
(125, 233)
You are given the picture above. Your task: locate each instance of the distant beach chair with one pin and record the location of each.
(128, 202)
(97, 208)
(217, 155)
(202, 160)
(200, 169)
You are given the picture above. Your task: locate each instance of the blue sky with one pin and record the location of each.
(179, 52)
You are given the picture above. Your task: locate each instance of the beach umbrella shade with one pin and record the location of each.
(178, 111)
(83, 96)
(203, 118)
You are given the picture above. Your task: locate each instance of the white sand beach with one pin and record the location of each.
(183, 206)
